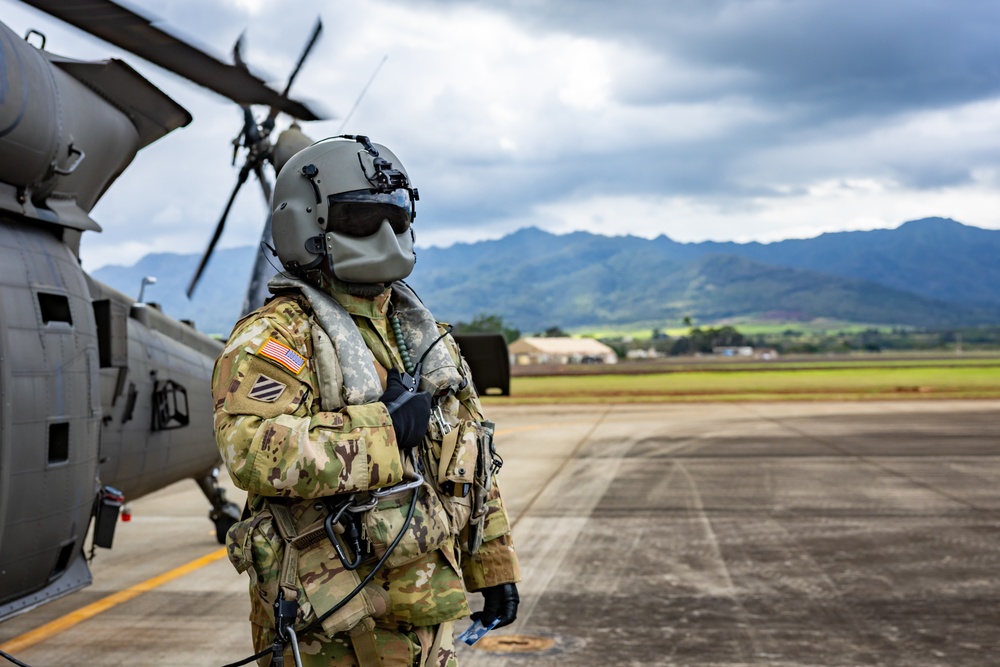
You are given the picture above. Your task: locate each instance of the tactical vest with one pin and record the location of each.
(455, 460)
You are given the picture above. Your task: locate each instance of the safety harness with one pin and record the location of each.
(346, 373)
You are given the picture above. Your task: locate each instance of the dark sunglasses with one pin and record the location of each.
(360, 213)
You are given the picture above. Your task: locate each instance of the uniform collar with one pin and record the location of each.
(355, 305)
(374, 308)
(371, 308)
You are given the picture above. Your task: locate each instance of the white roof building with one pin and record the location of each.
(531, 350)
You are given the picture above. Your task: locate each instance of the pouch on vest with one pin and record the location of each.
(238, 546)
(456, 472)
(312, 570)
(481, 486)
(429, 529)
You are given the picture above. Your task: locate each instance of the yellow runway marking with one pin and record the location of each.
(72, 619)
(52, 628)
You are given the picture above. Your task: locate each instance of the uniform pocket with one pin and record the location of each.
(238, 544)
(460, 467)
(321, 580)
(457, 472)
(428, 530)
(324, 583)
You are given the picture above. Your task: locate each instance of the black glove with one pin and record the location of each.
(410, 411)
(499, 602)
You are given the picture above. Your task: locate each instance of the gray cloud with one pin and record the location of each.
(508, 112)
(865, 54)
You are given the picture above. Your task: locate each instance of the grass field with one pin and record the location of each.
(825, 381)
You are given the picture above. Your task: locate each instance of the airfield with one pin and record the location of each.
(708, 534)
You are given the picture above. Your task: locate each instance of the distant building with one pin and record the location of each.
(651, 353)
(530, 350)
(741, 351)
(745, 351)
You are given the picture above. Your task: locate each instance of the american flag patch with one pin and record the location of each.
(282, 354)
(266, 389)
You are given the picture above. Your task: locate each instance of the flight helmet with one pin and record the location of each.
(347, 202)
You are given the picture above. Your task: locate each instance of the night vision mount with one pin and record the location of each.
(385, 178)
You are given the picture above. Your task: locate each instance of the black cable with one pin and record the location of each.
(371, 575)
(403, 282)
(418, 369)
(364, 582)
(378, 566)
(252, 658)
(13, 659)
(431, 346)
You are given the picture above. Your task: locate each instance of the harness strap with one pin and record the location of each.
(294, 543)
(429, 650)
(288, 576)
(448, 445)
(363, 642)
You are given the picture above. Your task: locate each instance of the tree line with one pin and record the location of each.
(703, 340)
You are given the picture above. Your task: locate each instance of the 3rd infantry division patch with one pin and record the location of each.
(266, 389)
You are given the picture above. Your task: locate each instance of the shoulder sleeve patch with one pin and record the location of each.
(282, 354)
(266, 389)
(274, 390)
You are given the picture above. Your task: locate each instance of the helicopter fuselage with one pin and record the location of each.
(102, 399)
(95, 391)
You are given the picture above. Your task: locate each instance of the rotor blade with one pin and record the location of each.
(238, 51)
(135, 33)
(317, 29)
(218, 232)
(265, 185)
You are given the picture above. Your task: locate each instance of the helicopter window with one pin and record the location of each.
(54, 307)
(170, 406)
(112, 334)
(59, 442)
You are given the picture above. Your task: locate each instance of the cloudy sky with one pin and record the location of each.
(699, 119)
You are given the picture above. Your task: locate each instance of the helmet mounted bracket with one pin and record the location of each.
(311, 171)
(317, 245)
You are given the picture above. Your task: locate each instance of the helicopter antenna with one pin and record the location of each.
(363, 91)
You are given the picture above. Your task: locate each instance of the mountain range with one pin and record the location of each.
(933, 272)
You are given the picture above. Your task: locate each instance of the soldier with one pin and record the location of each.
(348, 415)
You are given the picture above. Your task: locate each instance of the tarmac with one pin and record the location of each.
(765, 534)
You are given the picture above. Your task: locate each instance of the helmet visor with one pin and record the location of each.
(360, 213)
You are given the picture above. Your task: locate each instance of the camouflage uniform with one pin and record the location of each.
(280, 445)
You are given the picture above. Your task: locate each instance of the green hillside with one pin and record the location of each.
(928, 273)
(536, 280)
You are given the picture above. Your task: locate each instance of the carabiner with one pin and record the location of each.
(357, 509)
(332, 518)
(405, 485)
(441, 421)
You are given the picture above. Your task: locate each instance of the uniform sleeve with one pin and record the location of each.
(271, 440)
(496, 561)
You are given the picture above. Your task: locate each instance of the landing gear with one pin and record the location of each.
(223, 514)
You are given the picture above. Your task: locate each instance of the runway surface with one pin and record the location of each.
(832, 534)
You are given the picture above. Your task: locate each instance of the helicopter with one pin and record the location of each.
(103, 398)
